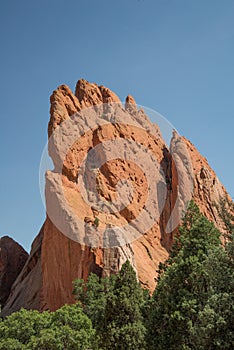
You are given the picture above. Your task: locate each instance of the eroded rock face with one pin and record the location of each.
(208, 189)
(56, 258)
(12, 259)
(26, 289)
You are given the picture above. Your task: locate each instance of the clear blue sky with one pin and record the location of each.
(176, 57)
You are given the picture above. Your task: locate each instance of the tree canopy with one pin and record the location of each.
(192, 305)
(67, 328)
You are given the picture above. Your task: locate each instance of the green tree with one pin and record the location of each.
(65, 329)
(93, 296)
(123, 323)
(226, 212)
(22, 325)
(214, 328)
(183, 288)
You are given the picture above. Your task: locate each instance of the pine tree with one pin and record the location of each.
(182, 289)
(123, 323)
(214, 328)
(93, 296)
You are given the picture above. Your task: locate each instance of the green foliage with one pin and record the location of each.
(214, 328)
(67, 328)
(115, 306)
(23, 325)
(226, 208)
(96, 222)
(93, 295)
(182, 289)
(11, 344)
(123, 322)
(226, 212)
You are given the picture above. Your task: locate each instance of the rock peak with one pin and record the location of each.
(90, 94)
(130, 104)
(56, 259)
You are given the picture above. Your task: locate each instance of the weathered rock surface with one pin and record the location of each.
(26, 290)
(208, 190)
(57, 259)
(12, 259)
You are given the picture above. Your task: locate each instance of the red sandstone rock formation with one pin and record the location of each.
(56, 260)
(12, 259)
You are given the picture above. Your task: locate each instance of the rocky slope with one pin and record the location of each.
(79, 234)
(12, 259)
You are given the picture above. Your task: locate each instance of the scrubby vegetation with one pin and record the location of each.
(67, 328)
(192, 307)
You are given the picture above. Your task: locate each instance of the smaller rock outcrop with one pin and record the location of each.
(12, 259)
